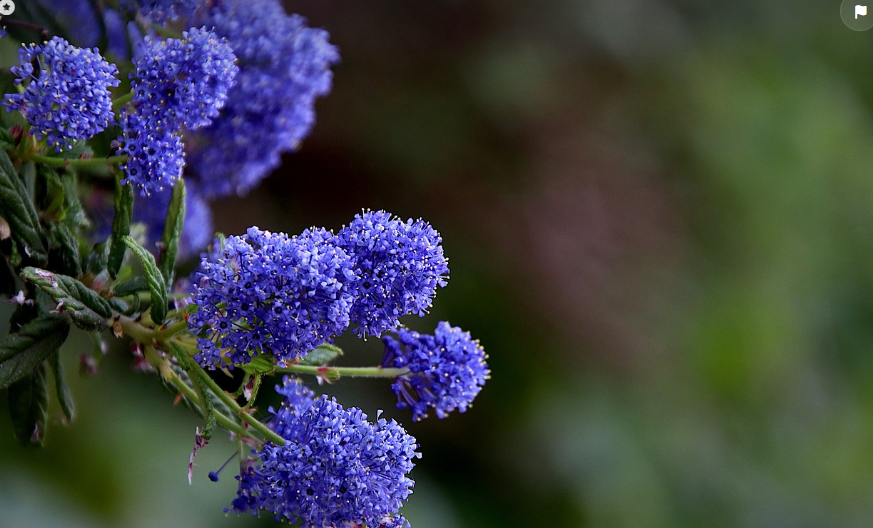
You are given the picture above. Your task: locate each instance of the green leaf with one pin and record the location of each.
(17, 208)
(28, 406)
(65, 249)
(22, 351)
(88, 310)
(155, 280)
(62, 390)
(322, 355)
(120, 226)
(260, 364)
(134, 285)
(7, 142)
(94, 261)
(173, 231)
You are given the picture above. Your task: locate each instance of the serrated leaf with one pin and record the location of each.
(120, 227)
(62, 390)
(28, 406)
(17, 208)
(134, 285)
(260, 364)
(7, 142)
(322, 355)
(88, 310)
(155, 280)
(173, 231)
(65, 249)
(22, 351)
(94, 261)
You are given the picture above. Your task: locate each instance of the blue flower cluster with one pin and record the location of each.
(446, 370)
(336, 469)
(178, 84)
(183, 81)
(271, 107)
(270, 293)
(68, 98)
(267, 292)
(401, 265)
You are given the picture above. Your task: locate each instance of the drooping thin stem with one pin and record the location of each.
(81, 163)
(336, 372)
(222, 420)
(234, 406)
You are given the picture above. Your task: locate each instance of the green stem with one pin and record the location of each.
(82, 163)
(121, 101)
(136, 331)
(222, 420)
(234, 406)
(173, 329)
(336, 372)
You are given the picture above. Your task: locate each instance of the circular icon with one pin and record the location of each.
(856, 16)
(7, 7)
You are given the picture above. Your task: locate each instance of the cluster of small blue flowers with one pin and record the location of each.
(286, 296)
(270, 293)
(336, 469)
(401, 265)
(446, 370)
(271, 107)
(185, 80)
(68, 98)
(178, 84)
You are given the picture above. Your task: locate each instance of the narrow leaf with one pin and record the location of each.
(28, 406)
(62, 390)
(207, 407)
(173, 231)
(120, 226)
(65, 249)
(22, 351)
(155, 280)
(321, 355)
(88, 310)
(134, 285)
(17, 208)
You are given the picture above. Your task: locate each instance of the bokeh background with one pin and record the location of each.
(659, 218)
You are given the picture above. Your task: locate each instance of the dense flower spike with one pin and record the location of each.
(68, 98)
(446, 370)
(186, 80)
(336, 468)
(271, 293)
(271, 107)
(162, 11)
(156, 155)
(402, 264)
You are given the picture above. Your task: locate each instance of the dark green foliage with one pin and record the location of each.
(88, 310)
(120, 227)
(28, 406)
(155, 280)
(35, 341)
(173, 232)
(17, 208)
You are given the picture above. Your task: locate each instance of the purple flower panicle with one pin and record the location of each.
(446, 370)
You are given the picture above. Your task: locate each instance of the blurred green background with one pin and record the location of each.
(659, 218)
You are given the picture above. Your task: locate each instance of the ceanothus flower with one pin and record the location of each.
(336, 469)
(270, 293)
(401, 265)
(446, 370)
(187, 80)
(283, 67)
(68, 98)
(155, 153)
(162, 11)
